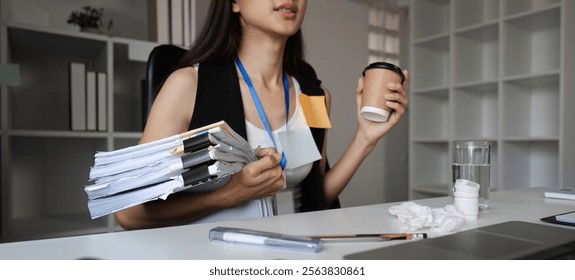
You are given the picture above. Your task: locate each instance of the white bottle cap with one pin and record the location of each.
(465, 195)
(466, 186)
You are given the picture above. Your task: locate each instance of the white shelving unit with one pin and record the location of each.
(44, 164)
(498, 70)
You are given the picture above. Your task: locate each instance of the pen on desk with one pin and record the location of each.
(237, 237)
(265, 239)
(370, 237)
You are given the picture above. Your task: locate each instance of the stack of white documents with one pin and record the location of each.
(197, 160)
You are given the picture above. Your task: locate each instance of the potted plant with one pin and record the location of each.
(89, 19)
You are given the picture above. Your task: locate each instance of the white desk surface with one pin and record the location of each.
(191, 241)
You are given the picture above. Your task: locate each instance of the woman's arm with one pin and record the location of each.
(171, 113)
(366, 136)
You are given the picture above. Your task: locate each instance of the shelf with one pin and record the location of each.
(44, 61)
(36, 40)
(35, 156)
(431, 63)
(473, 12)
(47, 191)
(531, 107)
(414, 195)
(494, 166)
(430, 114)
(475, 111)
(120, 143)
(513, 7)
(44, 164)
(128, 135)
(499, 71)
(137, 50)
(434, 18)
(128, 76)
(532, 43)
(58, 134)
(535, 161)
(129, 16)
(429, 140)
(430, 164)
(434, 190)
(476, 54)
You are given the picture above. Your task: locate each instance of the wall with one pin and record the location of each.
(336, 38)
(202, 7)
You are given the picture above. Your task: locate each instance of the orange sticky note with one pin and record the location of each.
(314, 110)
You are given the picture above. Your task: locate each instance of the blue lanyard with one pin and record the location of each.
(259, 106)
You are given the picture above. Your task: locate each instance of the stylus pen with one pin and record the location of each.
(369, 237)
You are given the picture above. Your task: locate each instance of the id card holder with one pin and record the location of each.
(299, 147)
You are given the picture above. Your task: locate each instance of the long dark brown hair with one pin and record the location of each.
(220, 40)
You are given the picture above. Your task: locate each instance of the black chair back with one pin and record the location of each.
(162, 61)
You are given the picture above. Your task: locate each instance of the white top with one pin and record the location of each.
(258, 137)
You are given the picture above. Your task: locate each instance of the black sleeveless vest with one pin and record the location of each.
(219, 98)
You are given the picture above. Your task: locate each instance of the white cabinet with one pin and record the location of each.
(498, 70)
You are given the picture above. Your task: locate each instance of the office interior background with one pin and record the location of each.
(482, 69)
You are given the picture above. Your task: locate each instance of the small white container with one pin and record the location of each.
(466, 198)
(468, 206)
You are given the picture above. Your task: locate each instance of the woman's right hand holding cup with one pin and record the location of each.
(381, 99)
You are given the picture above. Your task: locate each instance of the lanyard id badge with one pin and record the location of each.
(259, 106)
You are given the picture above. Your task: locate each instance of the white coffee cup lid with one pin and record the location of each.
(374, 114)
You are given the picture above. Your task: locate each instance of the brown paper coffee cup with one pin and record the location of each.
(377, 76)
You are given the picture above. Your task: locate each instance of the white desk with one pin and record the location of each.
(191, 242)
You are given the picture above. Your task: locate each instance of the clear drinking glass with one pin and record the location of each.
(472, 161)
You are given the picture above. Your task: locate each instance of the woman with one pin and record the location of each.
(250, 55)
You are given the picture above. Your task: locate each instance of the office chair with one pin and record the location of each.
(162, 60)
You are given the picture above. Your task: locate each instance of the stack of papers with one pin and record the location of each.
(196, 160)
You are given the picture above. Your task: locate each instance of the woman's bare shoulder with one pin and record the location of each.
(184, 75)
(173, 106)
(181, 83)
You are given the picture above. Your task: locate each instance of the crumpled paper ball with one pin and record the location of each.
(413, 217)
